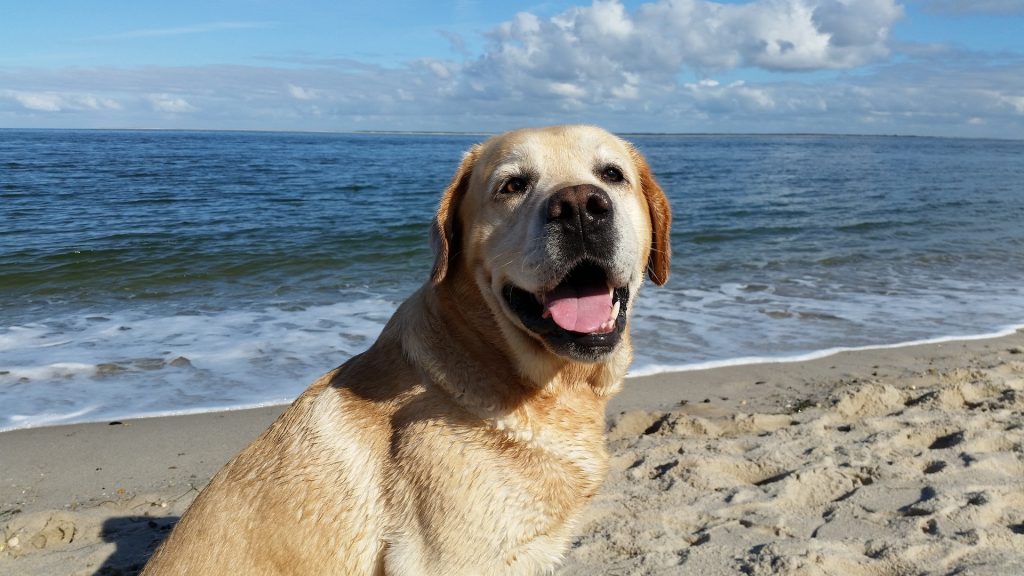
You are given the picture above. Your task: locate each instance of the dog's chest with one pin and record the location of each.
(477, 494)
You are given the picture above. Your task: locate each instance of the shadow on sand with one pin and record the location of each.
(136, 538)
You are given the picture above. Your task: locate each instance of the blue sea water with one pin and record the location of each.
(161, 272)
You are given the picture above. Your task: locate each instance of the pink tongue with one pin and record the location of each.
(579, 310)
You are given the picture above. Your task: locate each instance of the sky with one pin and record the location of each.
(911, 67)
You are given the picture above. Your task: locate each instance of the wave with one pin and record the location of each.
(653, 369)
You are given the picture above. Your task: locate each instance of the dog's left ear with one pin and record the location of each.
(444, 233)
(661, 222)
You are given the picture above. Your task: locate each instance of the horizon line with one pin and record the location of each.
(494, 132)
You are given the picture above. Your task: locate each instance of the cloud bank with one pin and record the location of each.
(683, 65)
(602, 54)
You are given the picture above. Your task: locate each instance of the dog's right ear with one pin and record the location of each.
(444, 234)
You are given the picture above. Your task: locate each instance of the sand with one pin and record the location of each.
(895, 461)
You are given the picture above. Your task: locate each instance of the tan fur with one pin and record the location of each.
(458, 443)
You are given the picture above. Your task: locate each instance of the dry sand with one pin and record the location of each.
(881, 462)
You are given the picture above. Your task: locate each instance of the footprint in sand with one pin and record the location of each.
(31, 533)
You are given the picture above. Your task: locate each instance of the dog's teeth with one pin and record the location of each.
(615, 311)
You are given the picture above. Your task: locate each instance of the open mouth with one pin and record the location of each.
(582, 317)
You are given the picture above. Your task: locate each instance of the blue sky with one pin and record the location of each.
(926, 67)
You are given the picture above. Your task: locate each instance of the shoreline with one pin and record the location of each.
(82, 498)
(646, 372)
(819, 354)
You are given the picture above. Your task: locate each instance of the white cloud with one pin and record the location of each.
(610, 53)
(857, 31)
(60, 102)
(98, 103)
(443, 70)
(1014, 101)
(628, 91)
(603, 19)
(300, 93)
(711, 96)
(170, 104)
(39, 102)
(566, 90)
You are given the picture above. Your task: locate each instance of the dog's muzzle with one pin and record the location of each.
(584, 314)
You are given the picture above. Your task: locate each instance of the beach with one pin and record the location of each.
(899, 460)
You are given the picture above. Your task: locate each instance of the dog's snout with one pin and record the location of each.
(582, 205)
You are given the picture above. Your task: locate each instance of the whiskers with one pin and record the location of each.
(528, 262)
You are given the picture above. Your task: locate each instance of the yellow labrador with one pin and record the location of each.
(467, 439)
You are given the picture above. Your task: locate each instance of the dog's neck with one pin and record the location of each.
(450, 334)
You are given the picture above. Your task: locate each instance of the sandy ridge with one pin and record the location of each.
(876, 481)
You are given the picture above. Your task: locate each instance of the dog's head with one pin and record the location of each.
(557, 227)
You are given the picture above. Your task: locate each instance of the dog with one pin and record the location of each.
(469, 436)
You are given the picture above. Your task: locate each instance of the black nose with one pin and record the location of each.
(579, 207)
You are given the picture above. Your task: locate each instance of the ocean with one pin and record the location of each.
(150, 272)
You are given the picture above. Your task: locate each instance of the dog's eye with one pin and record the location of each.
(612, 174)
(515, 186)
